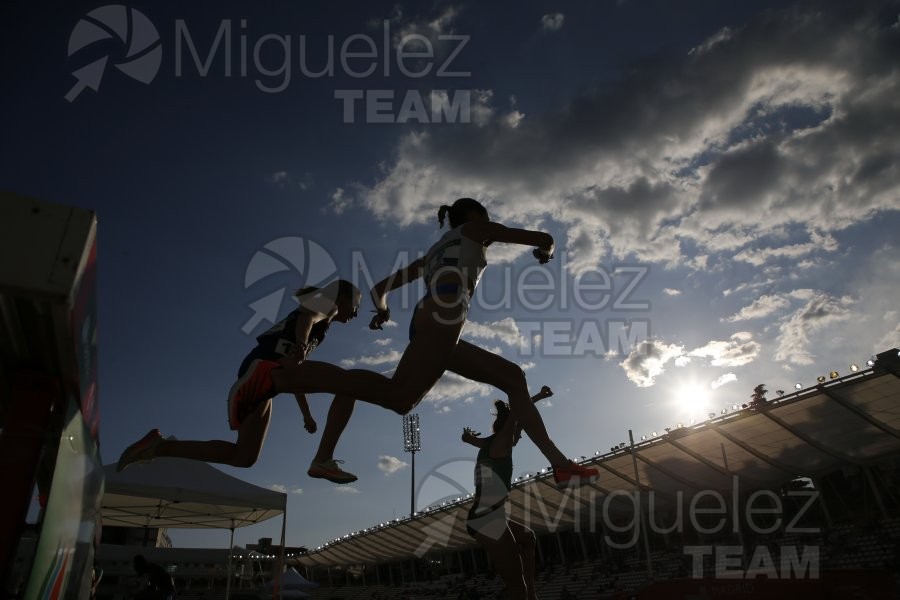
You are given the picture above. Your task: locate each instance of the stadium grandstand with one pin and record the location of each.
(799, 495)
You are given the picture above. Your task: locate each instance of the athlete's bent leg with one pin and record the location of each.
(526, 541)
(243, 453)
(504, 554)
(424, 361)
(339, 414)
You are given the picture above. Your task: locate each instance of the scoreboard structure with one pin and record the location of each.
(49, 410)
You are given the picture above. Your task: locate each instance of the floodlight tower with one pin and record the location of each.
(412, 443)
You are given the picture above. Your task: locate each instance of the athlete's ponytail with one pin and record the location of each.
(459, 211)
(502, 414)
(442, 212)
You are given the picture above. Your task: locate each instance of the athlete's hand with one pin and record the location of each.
(309, 424)
(468, 434)
(542, 255)
(546, 392)
(381, 317)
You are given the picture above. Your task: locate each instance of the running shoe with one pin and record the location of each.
(330, 470)
(142, 450)
(249, 390)
(573, 475)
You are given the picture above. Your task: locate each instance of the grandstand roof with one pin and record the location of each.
(848, 421)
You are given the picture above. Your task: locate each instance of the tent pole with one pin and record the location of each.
(281, 552)
(230, 552)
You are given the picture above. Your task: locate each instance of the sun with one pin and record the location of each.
(692, 398)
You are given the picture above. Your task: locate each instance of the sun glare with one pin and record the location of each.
(692, 398)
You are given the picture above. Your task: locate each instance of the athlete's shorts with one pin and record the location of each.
(491, 524)
(440, 289)
(259, 353)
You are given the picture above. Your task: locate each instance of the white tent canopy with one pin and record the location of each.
(180, 493)
(293, 580)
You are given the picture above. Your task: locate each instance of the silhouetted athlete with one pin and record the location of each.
(510, 544)
(451, 269)
(287, 343)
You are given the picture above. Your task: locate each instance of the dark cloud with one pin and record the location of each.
(790, 119)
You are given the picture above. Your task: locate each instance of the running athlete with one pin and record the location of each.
(286, 343)
(451, 269)
(510, 544)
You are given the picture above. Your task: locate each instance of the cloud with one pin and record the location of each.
(722, 380)
(277, 487)
(739, 350)
(513, 119)
(802, 294)
(340, 201)
(412, 29)
(383, 341)
(647, 360)
(761, 307)
(278, 178)
(671, 292)
(553, 22)
(505, 331)
(821, 312)
(390, 464)
(282, 179)
(346, 489)
(760, 256)
(784, 126)
(391, 356)
(891, 338)
(453, 387)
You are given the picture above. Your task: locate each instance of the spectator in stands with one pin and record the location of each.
(510, 544)
(159, 583)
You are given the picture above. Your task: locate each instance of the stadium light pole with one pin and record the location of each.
(412, 443)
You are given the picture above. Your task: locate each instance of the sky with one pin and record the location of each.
(722, 182)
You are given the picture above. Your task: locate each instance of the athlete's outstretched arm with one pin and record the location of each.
(489, 231)
(379, 291)
(399, 278)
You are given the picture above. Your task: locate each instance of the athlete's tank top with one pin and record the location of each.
(493, 480)
(281, 338)
(455, 252)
